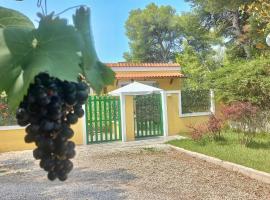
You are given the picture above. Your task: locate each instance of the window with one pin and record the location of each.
(196, 102)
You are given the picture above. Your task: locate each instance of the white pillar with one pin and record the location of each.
(164, 113)
(84, 126)
(123, 117)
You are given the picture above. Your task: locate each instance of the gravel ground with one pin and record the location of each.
(126, 172)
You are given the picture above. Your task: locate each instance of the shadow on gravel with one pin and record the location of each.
(117, 176)
(85, 183)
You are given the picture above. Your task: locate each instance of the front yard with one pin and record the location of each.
(256, 155)
(116, 171)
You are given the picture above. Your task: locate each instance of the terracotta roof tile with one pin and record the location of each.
(135, 75)
(126, 64)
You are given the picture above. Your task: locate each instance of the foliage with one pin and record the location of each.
(196, 67)
(211, 128)
(214, 126)
(255, 155)
(260, 9)
(245, 118)
(194, 34)
(195, 101)
(232, 21)
(148, 108)
(239, 111)
(243, 81)
(7, 117)
(97, 73)
(54, 47)
(198, 131)
(154, 34)
(9, 17)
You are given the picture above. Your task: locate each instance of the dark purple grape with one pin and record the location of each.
(67, 132)
(62, 176)
(82, 86)
(70, 154)
(71, 99)
(46, 126)
(38, 153)
(79, 112)
(72, 118)
(52, 175)
(49, 165)
(82, 95)
(29, 138)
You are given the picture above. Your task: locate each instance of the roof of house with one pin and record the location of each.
(127, 64)
(126, 70)
(138, 75)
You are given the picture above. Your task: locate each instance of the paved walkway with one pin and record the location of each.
(137, 170)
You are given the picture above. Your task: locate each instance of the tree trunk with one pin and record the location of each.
(239, 33)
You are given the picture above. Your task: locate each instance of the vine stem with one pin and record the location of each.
(39, 5)
(70, 8)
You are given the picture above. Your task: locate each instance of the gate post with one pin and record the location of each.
(164, 113)
(123, 116)
(85, 132)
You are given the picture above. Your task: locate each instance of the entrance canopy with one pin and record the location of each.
(135, 88)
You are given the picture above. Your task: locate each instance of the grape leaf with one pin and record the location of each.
(9, 17)
(96, 73)
(52, 47)
(9, 70)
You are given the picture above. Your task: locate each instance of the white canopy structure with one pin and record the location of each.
(135, 88)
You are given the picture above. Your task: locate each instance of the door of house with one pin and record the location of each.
(103, 121)
(148, 116)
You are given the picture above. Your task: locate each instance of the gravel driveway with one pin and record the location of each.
(126, 172)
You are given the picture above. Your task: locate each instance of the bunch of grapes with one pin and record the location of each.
(48, 110)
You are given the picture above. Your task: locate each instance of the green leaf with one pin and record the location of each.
(9, 72)
(53, 48)
(96, 73)
(9, 17)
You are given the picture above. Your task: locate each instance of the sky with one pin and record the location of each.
(107, 17)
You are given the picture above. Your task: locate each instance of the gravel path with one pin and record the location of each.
(128, 172)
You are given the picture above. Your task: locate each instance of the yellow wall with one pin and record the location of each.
(177, 124)
(130, 118)
(13, 140)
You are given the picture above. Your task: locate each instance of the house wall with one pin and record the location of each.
(13, 139)
(177, 124)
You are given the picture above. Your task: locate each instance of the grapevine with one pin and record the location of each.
(39, 73)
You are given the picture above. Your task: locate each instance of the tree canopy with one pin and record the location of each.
(219, 44)
(154, 34)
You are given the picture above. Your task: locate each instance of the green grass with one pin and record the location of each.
(256, 155)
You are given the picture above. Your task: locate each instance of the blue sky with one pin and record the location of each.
(108, 19)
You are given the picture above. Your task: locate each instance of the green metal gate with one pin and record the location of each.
(148, 116)
(103, 121)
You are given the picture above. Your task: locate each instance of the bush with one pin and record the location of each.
(210, 128)
(198, 131)
(214, 126)
(243, 117)
(7, 117)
